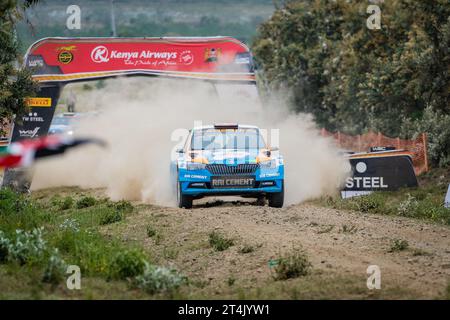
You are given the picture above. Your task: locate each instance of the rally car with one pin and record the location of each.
(228, 159)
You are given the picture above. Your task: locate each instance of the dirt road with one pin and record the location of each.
(339, 244)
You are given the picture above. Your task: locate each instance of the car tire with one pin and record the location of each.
(276, 199)
(183, 201)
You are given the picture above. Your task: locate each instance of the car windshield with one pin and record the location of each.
(235, 139)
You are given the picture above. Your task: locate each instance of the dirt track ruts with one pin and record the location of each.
(342, 241)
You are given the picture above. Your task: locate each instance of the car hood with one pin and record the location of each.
(229, 157)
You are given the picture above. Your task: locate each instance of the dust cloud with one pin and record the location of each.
(144, 120)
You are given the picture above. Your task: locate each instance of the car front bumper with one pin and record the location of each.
(198, 183)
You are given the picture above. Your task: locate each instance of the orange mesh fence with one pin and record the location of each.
(362, 143)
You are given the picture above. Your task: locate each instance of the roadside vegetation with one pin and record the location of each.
(425, 202)
(149, 254)
(393, 80)
(219, 242)
(293, 265)
(40, 239)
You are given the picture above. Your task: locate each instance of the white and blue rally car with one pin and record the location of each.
(228, 159)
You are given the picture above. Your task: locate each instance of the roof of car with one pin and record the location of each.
(211, 126)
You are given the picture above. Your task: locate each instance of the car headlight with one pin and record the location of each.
(195, 166)
(270, 164)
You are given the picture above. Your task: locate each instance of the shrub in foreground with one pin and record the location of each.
(110, 215)
(127, 264)
(55, 269)
(86, 202)
(25, 247)
(159, 279)
(293, 265)
(219, 242)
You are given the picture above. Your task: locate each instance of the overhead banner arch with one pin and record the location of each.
(54, 62)
(72, 59)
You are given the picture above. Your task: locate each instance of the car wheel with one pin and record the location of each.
(276, 199)
(183, 201)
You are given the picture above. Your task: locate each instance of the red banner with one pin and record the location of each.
(66, 59)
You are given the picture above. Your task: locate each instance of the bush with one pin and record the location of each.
(55, 269)
(151, 232)
(294, 265)
(18, 212)
(219, 242)
(86, 202)
(159, 279)
(127, 264)
(367, 203)
(434, 211)
(87, 249)
(408, 207)
(246, 249)
(66, 203)
(27, 247)
(398, 245)
(437, 126)
(123, 206)
(70, 225)
(109, 216)
(5, 244)
(11, 202)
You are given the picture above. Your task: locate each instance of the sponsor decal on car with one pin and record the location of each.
(269, 175)
(233, 182)
(38, 102)
(195, 176)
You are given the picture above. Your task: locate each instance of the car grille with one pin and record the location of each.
(223, 169)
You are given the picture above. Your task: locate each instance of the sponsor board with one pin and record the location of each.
(65, 57)
(38, 102)
(35, 61)
(351, 194)
(171, 55)
(366, 183)
(32, 117)
(380, 173)
(101, 54)
(29, 133)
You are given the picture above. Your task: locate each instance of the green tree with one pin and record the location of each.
(15, 83)
(352, 78)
